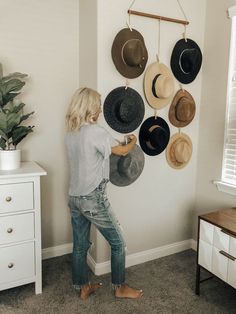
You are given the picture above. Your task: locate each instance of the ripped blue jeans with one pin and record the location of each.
(95, 208)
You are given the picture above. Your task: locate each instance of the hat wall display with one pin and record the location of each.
(179, 150)
(186, 60)
(129, 53)
(154, 135)
(182, 109)
(123, 109)
(124, 170)
(158, 85)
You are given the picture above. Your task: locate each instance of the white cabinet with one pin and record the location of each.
(217, 246)
(20, 227)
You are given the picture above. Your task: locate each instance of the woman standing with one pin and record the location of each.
(88, 148)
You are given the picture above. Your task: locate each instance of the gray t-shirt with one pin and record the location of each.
(88, 153)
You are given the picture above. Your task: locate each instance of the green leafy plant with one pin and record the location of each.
(11, 111)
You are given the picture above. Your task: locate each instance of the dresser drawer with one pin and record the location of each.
(205, 255)
(221, 239)
(16, 228)
(16, 197)
(206, 231)
(219, 264)
(232, 273)
(17, 262)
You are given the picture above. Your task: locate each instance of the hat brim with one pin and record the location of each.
(172, 116)
(179, 47)
(119, 179)
(110, 108)
(152, 71)
(124, 69)
(144, 131)
(174, 163)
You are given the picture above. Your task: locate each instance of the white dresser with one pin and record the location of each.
(217, 246)
(20, 227)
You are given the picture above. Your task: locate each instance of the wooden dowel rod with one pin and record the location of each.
(163, 18)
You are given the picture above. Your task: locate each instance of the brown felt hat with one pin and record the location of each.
(182, 109)
(158, 85)
(179, 150)
(129, 53)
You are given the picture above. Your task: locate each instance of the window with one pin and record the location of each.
(228, 178)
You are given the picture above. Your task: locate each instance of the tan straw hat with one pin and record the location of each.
(182, 109)
(179, 150)
(158, 85)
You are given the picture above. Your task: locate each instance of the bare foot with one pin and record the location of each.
(127, 292)
(88, 289)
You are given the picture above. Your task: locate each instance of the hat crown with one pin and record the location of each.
(184, 110)
(157, 136)
(188, 59)
(182, 151)
(126, 111)
(127, 166)
(162, 86)
(133, 52)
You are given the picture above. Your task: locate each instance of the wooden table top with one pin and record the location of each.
(224, 218)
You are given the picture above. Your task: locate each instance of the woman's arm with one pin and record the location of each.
(122, 150)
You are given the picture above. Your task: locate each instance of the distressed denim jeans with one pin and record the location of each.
(95, 208)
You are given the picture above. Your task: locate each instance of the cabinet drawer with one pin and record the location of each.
(221, 240)
(219, 264)
(16, 197)
(205, 255)
(232, 273)
(232, 246)
(16, 228)
(17, 262)
(206, 231)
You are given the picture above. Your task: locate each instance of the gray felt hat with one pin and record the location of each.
(124, 170)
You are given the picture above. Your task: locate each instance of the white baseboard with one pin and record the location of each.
(194, 244)
(131, 259)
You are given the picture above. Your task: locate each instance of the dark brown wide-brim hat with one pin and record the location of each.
(123, 109)
(154, 135)
(129, 53)
(179, 150)
(158, 85)
(186, 60)
(124, 170)
(182, 109)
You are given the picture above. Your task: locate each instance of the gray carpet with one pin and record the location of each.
(168, 284)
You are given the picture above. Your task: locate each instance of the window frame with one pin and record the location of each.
(223, 186)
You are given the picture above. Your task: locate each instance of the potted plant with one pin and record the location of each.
(12, 131)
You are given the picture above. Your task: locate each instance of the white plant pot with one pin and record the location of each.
(10, 159)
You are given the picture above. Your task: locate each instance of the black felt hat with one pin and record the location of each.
(186, 60)
(124, 170)
(129, 53)
(123, 109)
(154, 136)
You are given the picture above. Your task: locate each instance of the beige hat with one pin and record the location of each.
(182, 109)
(158, 85)
(179, 150)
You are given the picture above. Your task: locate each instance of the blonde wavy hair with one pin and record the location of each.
(84, 106)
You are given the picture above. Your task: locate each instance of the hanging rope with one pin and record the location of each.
(181, 87)
(155, 113)
(128, 23)
(185, 16)
(126, 84)
(159, 41)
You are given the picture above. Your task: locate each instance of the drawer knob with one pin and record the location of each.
(9, 230)
(10, 265)
(8, 198)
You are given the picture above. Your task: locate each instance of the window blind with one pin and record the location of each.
(229, 156)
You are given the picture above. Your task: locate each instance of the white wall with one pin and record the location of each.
(213, 109)
(41, 38)
(157, 209)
